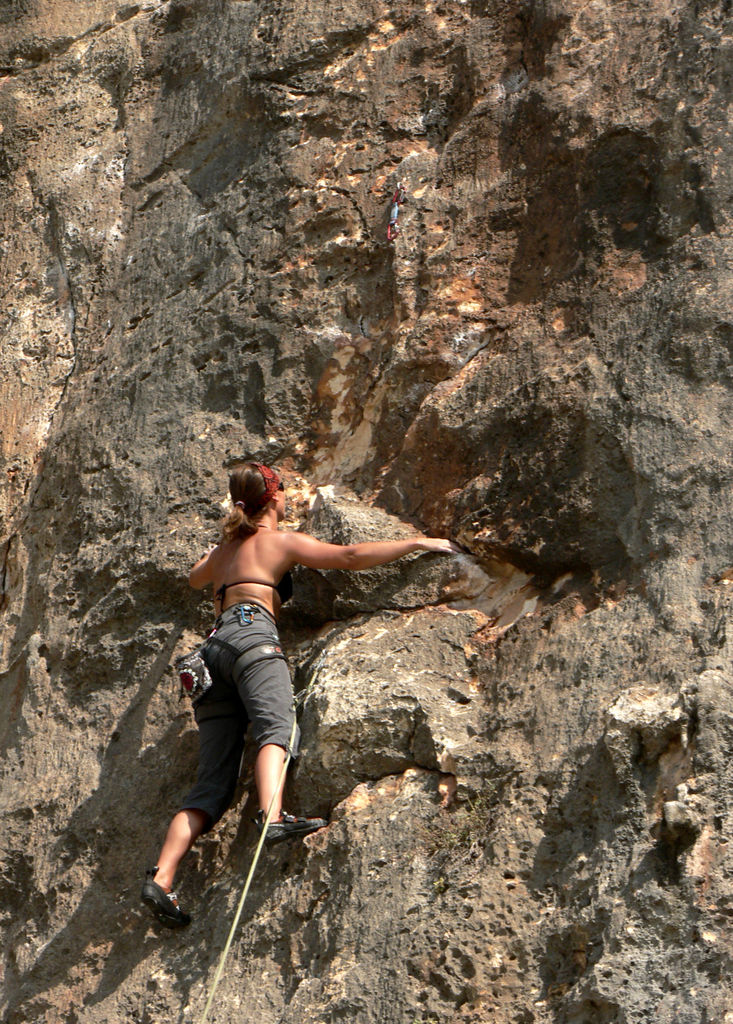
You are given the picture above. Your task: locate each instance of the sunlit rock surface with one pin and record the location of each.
(524, 750)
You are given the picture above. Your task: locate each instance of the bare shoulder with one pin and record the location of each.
(285, 543)
(295, 543)
(301, 548)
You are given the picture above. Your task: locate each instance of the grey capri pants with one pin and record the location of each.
(251, 683)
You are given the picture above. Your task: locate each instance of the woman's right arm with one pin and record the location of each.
(202, 572)
(305, 550)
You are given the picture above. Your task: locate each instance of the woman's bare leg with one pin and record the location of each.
(183, 832)
(268, 768)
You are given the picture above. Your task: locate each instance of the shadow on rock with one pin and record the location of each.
(122, 815)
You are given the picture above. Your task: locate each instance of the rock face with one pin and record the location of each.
(525, 751)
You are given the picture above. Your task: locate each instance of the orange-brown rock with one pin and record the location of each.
(194, 268)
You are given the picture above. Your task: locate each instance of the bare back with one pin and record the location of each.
(261, 556)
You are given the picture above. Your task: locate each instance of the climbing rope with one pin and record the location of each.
(248, 882)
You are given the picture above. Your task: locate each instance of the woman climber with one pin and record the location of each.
(250, 573)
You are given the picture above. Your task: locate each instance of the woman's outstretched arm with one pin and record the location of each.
(305, 550)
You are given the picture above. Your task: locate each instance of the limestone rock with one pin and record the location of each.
(413, 582)
(680, 819)
(644, 722)
(195, 268)
(388, 694)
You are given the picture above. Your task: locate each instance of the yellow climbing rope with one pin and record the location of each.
(243, 897)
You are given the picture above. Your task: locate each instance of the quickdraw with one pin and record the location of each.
(398, 199)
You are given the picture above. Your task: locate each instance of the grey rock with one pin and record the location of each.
(195, 268)
(643, 722)
(388, 694)
(413, 582)
(680, 819)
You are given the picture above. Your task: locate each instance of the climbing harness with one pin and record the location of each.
(193, 672)
(398, 199)
(245, 890)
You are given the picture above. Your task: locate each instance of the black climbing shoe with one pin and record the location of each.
(287, 826)
(163, 905)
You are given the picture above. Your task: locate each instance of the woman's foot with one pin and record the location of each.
(287, 826)
(163, 905)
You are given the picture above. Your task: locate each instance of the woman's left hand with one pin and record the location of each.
(439, 546)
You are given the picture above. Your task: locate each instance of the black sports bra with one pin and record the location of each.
(284, 588)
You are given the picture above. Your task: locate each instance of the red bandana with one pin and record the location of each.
(272, 484)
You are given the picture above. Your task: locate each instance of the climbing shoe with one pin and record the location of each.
(287, 826)
(163, 905)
